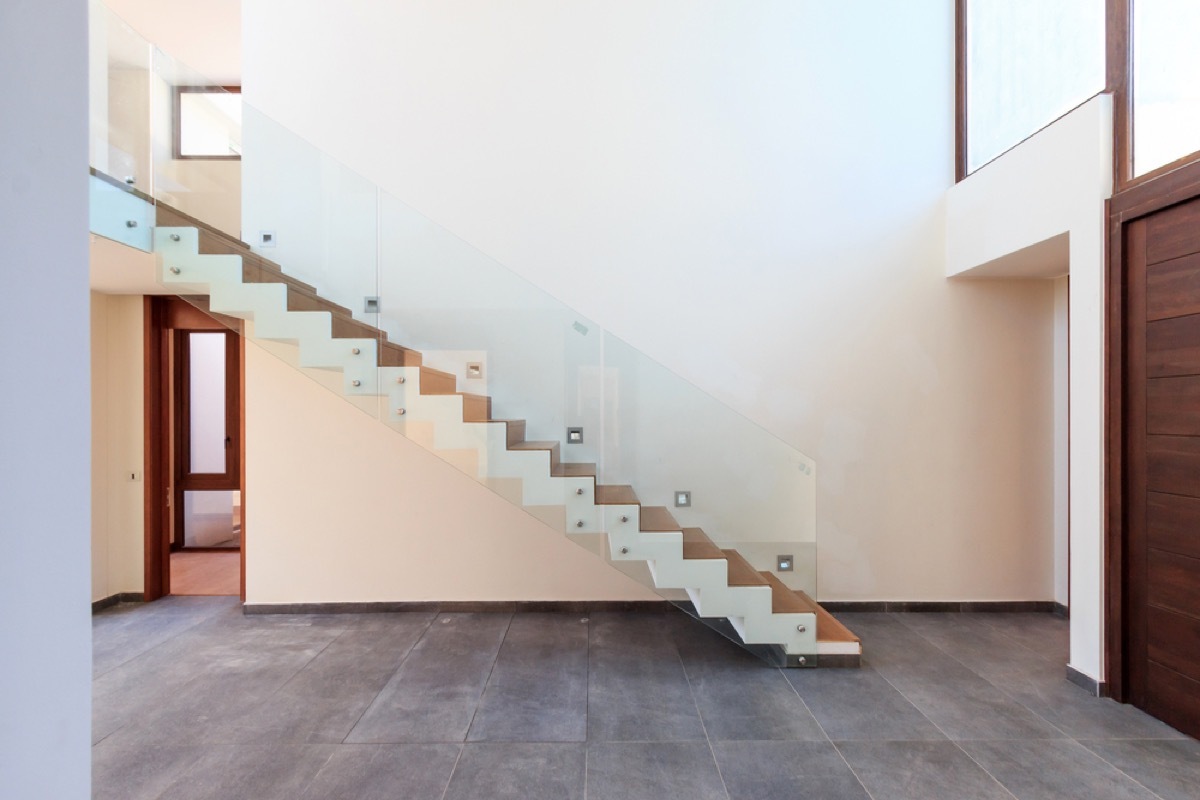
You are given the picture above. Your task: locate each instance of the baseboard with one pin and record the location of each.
(974, 606)
(114, 599)
(1086, 682)
(1061, 610)
(467, 606)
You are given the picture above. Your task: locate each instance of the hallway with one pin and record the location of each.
(192, 699)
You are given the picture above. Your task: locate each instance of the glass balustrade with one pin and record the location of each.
(423, 331)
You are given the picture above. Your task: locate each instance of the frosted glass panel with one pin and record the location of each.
(212, 519)
(1028, 63)
(206, 401)
(1166, 82)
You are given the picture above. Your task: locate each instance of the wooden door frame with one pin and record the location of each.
(1127, 206)
(183, 479)
(162, 315)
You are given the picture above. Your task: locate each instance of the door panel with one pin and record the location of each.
(1173, 464)
(1171, 523)
(1173, 346)
(1173, 288)
(1173, 698)
(1174, 641)
(1174, 582)
(1173, 406)
(1160, 485)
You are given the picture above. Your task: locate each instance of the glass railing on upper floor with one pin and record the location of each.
(397, 282)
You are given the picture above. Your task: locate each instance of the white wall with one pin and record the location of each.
(118, 436)
(45, 674)
(1049, 188)
(745, 193)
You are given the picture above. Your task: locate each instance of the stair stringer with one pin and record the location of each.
(748, 608)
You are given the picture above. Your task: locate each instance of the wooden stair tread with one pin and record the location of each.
(299, 300)
(828, 628)
(696, 544)
(784, 600)
(574, 471)
(657, 518)
(434, 381)
(526, 445)
(539, 446)
(616, 496)
(740, 571)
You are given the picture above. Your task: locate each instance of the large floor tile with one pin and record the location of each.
(859, 704)
(786, 771)
(1054, 770)
(638, 690)
(384, 772)
(537, 691)
(238, 772)
(1170, 769)
(326, 698)
(141, 772)
(739, 697)
(124, 632)
(433, 696)
(920, 771)
(519, 771)
(653, 771)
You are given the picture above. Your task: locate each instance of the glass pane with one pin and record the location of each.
(212, 519)
(1028, 63)
(210, 124)
(1166, 82)
(119, 144)
(206, 402)
(208, 189)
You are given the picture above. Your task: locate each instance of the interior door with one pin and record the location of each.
(1161, 484)
(206, 500)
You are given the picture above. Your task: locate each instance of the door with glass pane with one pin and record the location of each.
(207, 488)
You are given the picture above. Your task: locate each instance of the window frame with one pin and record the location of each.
(177, 120)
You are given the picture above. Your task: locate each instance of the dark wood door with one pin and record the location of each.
(1162, 464)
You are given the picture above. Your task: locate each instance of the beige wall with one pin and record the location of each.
(117, 439)
(1038, 210)
(340, 508)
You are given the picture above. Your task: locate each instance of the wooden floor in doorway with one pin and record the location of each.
(206, 573)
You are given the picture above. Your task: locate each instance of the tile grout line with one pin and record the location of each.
(955, 742)
(974, 672)
(206, 618)
(700, 716)
(1118, 769)
(825, 733)
(587, 708)
(1020, 643)
(463, 745)
(483, 691)
(399, 666)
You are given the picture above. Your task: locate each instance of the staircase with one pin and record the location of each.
(224, 276)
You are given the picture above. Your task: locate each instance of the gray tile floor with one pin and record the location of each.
(194, 700)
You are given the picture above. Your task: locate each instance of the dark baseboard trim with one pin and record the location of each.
(1061, 610)
(1087, 683)
(114, 599)
(975, 606)
(468, 606)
